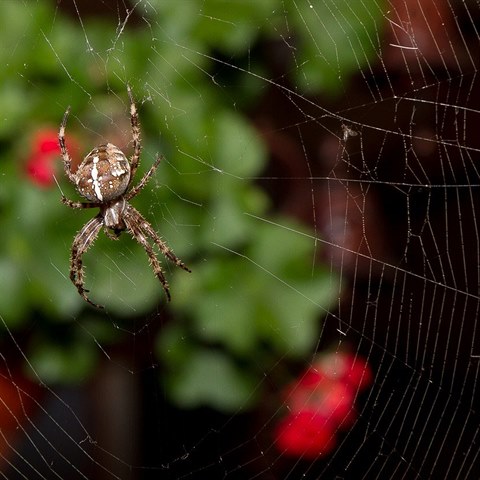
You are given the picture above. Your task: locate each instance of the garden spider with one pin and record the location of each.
(104, 178)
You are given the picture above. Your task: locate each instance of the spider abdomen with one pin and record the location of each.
(104, 174)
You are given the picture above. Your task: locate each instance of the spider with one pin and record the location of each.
(104, 178)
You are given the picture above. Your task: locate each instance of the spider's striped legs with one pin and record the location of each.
(140, 229)
(135, 230)
(135, 190)
(135, 158)
(72, 204)
(164, 248)
(67, 161)
(83, 240)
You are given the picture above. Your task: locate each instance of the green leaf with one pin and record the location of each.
(63, 363)
(237, 150)
(232, 25)
(294, 322)
(13, 310)
(336, 40)
(211, 379)
(282, 244)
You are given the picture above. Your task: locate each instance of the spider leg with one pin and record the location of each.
(164, 248)
(137, 218)
(72, 204)
(135, 158)
(67, 161)
(134, 191)
(83, 240)
(134, 227)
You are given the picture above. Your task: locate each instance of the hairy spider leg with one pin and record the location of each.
(135, 158)
(164, 248)
(81, 243)
(135, 190)
(67, 161)
(135, 229)
(72, 204)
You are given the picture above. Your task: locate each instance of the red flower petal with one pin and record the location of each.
(305, 435)
(359, 374)
(346, 367)
(311, 378)
(40, 170)
(329, 398)
(336, 402)
(46, 141)
(45, 152)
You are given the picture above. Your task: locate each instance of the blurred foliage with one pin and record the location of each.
(253, 296)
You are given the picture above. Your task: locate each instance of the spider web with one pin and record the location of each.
(366, 116)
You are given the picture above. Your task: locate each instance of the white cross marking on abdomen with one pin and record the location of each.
(95, 178)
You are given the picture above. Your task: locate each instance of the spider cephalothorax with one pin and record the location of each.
(104, 178)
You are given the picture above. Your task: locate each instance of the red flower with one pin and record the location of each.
(41, 163)
(328, 398)
(40, 170)
(305, 434)
(346, 367)
(47, 142)
(311, 378)
(321, 402)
